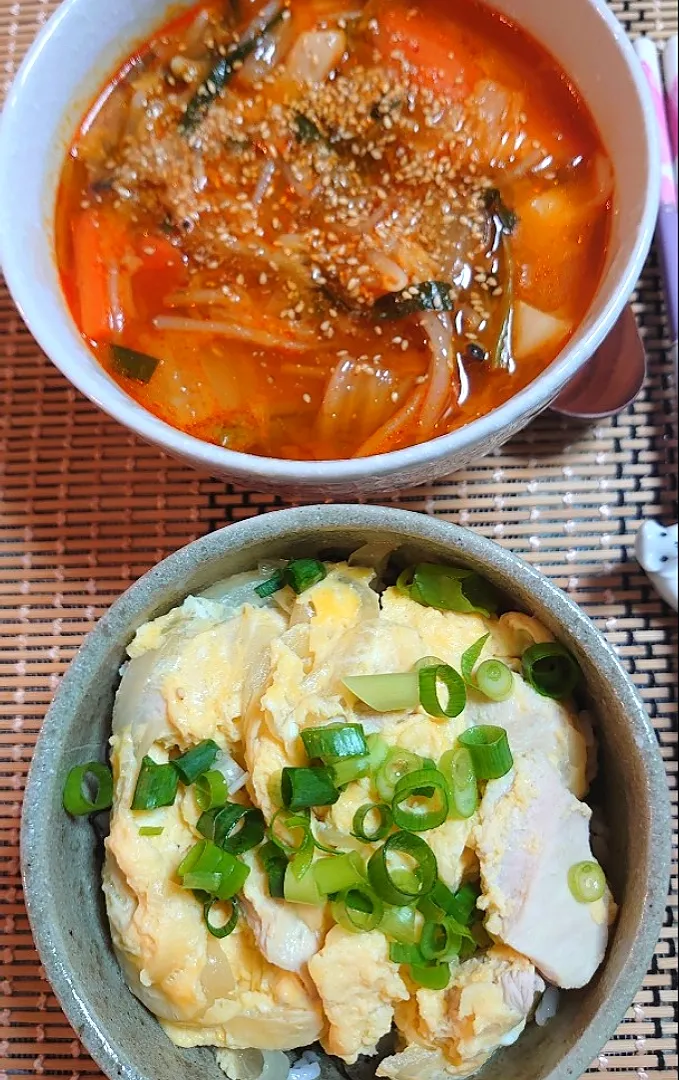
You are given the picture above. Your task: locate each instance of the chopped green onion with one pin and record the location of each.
(275, 864)
(358, 910)
(156, 785)
(405, 953)
(425, 784)
(400, 923)
(302, 890)
(440, 940)
(470, 657)
(393, 692)
(207, 865)
(211, 790)
(458, 769)
(204, 881)
(196, 761)
(337, 874)
(489, 749)
(430, 976)
(151, 830)
(303, 788)
(467, 950)
(551, 670)
(461, 905)
(132, 364)
(226, 928)
(391, 884)
(219, 825)
(335, 742)
(301, 853)
(271, 586)
(449, 588)
(398, 763)
(428, 661)
(291, 823)
(429, 679)
(382, 826)
(495, 680)
(74, 798)
(378, 750)
(221, 73)
(587, 882)
(351, 769)
(301, 574)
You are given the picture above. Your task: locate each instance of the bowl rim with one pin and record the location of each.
(313, 523)
(73, 358)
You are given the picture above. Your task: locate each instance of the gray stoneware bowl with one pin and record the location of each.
(62, 859)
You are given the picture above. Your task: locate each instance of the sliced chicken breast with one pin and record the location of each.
(531, 831)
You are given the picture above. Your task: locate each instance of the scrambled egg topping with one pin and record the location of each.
(251, 675)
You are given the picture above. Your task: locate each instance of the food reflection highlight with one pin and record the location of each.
(348, 803)
(327, 230)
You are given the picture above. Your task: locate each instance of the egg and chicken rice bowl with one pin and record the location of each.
(343, 808)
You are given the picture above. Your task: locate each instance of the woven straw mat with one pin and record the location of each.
(86, 508)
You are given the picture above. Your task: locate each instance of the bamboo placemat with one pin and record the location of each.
(86, 508)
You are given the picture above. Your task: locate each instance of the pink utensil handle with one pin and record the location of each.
(671, 72)
(647, 51)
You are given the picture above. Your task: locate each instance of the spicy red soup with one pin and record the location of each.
(319, 229)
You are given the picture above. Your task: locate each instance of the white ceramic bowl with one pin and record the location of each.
(68, 63)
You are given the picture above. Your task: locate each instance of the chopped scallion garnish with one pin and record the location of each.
(587, 882)
(440, 940)
(209, 869)
(350, 769)
(458, 769)
(470, 658)
(211, 790)
(75, 799)
(400, 924)
(489, 750)
(393, 692)
(390, 883)
(302, 788)
(430, 976)
(429, 679)
(302, 889)
(275, 864)
(335, 742)
(358, 910)
(405, 953)
(396, 764)
(421, 801)
(494, 680)
(334, 875)
(382, 826)
(233, 827)
(196, 761)
(299, 574)
(156, 785)
(223, 929)
(551, 670)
